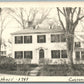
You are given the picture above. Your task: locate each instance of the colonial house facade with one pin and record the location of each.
(34, 46)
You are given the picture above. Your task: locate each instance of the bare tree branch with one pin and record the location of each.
(60, 11)
(74, 9)
(60, 20)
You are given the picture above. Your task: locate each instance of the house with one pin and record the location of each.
(34, 46)
(78, 48)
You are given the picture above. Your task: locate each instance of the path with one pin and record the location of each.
(35, 71)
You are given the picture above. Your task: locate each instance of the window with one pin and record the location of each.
(18, 39)
(27, 39)
(77, 55)
(77, 44)
(55, 38)
(55, 53)
(28, 54)
(41, 38)
(63, 53)
(82, 55)
(63, 39)
(18, 54)
(58, 38)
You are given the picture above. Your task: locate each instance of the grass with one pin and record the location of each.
(62, 70)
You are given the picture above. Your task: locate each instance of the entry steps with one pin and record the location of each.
(35, 71)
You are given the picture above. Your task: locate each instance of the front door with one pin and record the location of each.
(41, 56)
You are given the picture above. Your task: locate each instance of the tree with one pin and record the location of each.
(29, 18)
(3, 24)
(72, 16)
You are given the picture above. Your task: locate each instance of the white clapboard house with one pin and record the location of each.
(33, 46)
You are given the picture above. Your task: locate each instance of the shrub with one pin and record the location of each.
(26, 67)
(45, 61)
(7, 63)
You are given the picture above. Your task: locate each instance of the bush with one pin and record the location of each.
(7, 63)
(26, 67)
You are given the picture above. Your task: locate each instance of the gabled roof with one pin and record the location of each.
(36, 31)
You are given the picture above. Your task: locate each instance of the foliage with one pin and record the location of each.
(62, 70)
(26, 67)
(45, 61)
(7, 63)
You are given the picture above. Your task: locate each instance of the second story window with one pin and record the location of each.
(58, 38)
(63, 38)
(27, 39)
(77, 44)
(41, 38)
(55, 38)
(18, 39)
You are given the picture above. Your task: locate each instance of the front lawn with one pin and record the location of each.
(62, 70)
(21, 69)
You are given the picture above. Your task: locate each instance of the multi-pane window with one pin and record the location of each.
(59, 53)
(55, 38)
(82, 55)
(27, 39)
(18, 54)
(63, 53)
(55, 53)
(77, 55)
(41, 38)
(28, 54)
(18, 39)
(58, 38)
(77, 44)
(63, 38)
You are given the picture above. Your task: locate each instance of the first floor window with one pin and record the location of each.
(18, 54)
(63, 53)
(82, 55)
(55, 53)
(18, 39)
(77, 55)
(28, 54)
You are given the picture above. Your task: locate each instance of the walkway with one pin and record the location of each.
(35, 72)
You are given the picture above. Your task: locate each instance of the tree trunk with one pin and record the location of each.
(70, 43)
(0, 43)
